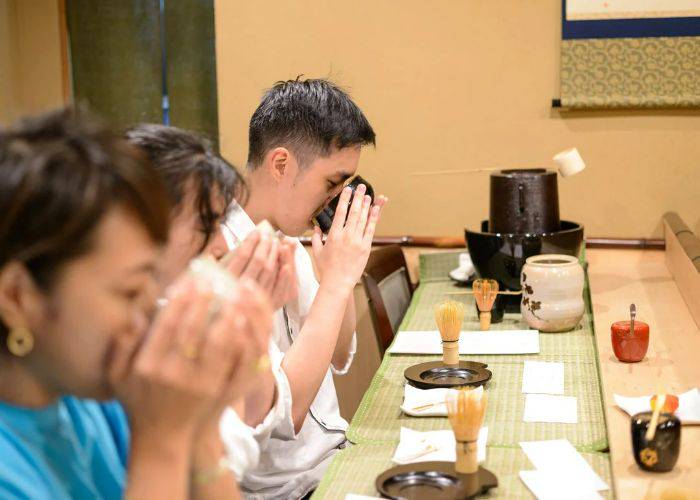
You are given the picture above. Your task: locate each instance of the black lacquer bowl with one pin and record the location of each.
(501, 256)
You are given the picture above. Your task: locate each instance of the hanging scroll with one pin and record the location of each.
(630, 53)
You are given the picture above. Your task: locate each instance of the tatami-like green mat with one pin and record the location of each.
(376, 425)
(355, 469)
(379, 418)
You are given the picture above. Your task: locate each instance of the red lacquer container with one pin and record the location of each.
(630, 347)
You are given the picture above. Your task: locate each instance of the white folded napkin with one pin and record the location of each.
(688, 411)
(465, 269)
(353, 496)
(425, 402)
(417, 446)
(541, 377)
(562, 472)
(474, 342)
(551, 485)
(551, 409)
(416, 401)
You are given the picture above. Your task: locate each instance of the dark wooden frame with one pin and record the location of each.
(382, 262)
(454, 242)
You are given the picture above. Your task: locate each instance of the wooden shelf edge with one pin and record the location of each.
(454, 242)
(683, 270)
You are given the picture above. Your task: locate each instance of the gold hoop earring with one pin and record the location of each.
(20, 341)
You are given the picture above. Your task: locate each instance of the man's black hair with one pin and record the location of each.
(310, 117)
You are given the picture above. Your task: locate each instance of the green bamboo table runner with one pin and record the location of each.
(376, 425)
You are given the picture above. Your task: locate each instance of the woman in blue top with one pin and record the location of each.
(83, 218)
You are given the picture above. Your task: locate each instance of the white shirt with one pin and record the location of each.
(242, 442)
(290, 468)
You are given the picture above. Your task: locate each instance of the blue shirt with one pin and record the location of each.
(72, 449)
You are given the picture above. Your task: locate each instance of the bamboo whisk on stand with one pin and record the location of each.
(466, 409)
(449, 316)
(485, 293)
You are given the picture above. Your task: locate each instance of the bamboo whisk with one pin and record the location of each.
(485, 293)
(448, 316)
(465, 409)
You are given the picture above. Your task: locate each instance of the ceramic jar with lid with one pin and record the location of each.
(552, 288)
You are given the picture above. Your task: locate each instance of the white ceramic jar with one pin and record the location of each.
(552, 292)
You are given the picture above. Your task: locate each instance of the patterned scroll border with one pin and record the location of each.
(658, 72)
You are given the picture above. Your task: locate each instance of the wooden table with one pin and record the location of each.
(618, 278)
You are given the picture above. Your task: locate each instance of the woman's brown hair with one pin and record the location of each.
(182, 157)
(59, 174)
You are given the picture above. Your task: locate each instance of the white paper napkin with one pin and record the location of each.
(353, 496)
(688, 405)
(546, 485)
(425, 402)
(558, 457)
(552, 409)
(465, 269)
(540, 377)
(491, 342)
(415, 402)
(417, 446)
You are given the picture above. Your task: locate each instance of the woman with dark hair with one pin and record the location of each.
(202, 186)
(84, 217)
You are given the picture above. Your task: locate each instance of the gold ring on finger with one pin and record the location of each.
(189, 351)
(263, 363)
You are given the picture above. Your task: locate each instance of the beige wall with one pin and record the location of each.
(459, 84)
(31, 70)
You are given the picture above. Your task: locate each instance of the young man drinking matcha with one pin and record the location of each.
(305, 140)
